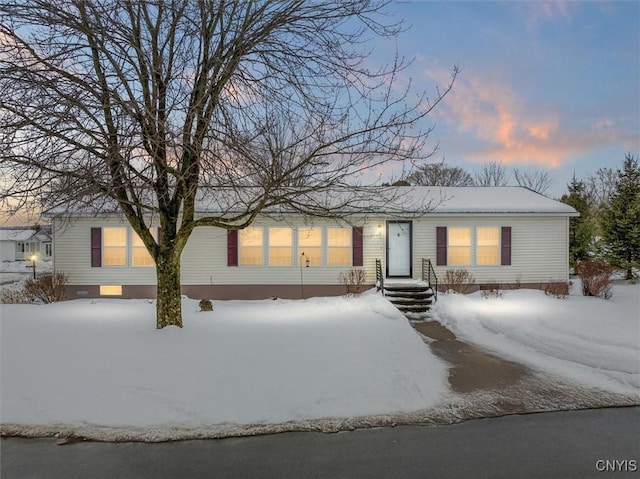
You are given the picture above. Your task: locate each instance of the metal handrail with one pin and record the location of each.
(429, 276)
(379, 277)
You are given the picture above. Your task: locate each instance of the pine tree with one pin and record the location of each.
(620, 220)
(581, 228)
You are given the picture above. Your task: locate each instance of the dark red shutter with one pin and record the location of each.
(505, 246)
(159, 238)
(357, 245)
(232, 247)
(441, 245)
(96, 247)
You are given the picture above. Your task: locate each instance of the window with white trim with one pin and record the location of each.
(139, 253)
(250, 244)
(310, 243)
(280, 246)
(459, 246)
(339, 246)
(114, 246)
(487, 246)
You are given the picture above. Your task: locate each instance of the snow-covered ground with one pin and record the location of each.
(587, 340)
(16, 271)
(88, 365)
(102, 362)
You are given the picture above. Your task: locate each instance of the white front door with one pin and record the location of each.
(399, 249)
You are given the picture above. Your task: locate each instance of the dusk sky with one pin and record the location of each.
(553, 86)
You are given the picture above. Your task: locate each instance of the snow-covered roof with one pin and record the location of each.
(494, 199)
(418, 199)
(16, 235)
(394, 200)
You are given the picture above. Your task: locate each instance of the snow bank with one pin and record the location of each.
(590, 341)
(102, 362)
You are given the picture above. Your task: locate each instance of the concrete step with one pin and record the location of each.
(411, 287)
(413, 299)
(409, 294)
(408, 306)
(414, 308)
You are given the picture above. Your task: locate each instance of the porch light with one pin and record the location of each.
(33, 262)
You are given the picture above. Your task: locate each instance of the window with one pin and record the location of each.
(459, 246)
(48, 249)
(141, 256)
(310, 243)
(339, 246)
(250, 246)
(280, 246)
(488, 246)
(114, 249)
(110, 290)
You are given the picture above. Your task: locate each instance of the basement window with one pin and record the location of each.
(110, 290)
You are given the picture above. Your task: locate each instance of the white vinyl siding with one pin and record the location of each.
(204, 259)
(539, 252)
(539, 247)
(72, 255)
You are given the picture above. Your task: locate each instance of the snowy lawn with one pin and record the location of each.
(590, 341)
(14, 271)
(102, 362)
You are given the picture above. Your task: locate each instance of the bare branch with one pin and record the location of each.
(538, 181)
(492, 174)
(139, 104)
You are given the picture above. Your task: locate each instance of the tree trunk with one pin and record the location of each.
(169, 295)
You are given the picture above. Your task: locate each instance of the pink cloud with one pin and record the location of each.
(494, 114)
(504, 127)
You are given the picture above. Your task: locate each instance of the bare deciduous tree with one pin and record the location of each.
(491, 174)
(439, 174)
(135, 105)
(601, 185)
(539, 181)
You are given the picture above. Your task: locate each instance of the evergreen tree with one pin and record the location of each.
(620, 220)
(581, 228)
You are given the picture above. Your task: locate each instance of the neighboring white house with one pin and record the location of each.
(21, 243)
(506, 235)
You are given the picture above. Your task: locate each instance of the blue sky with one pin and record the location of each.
(544, 85)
